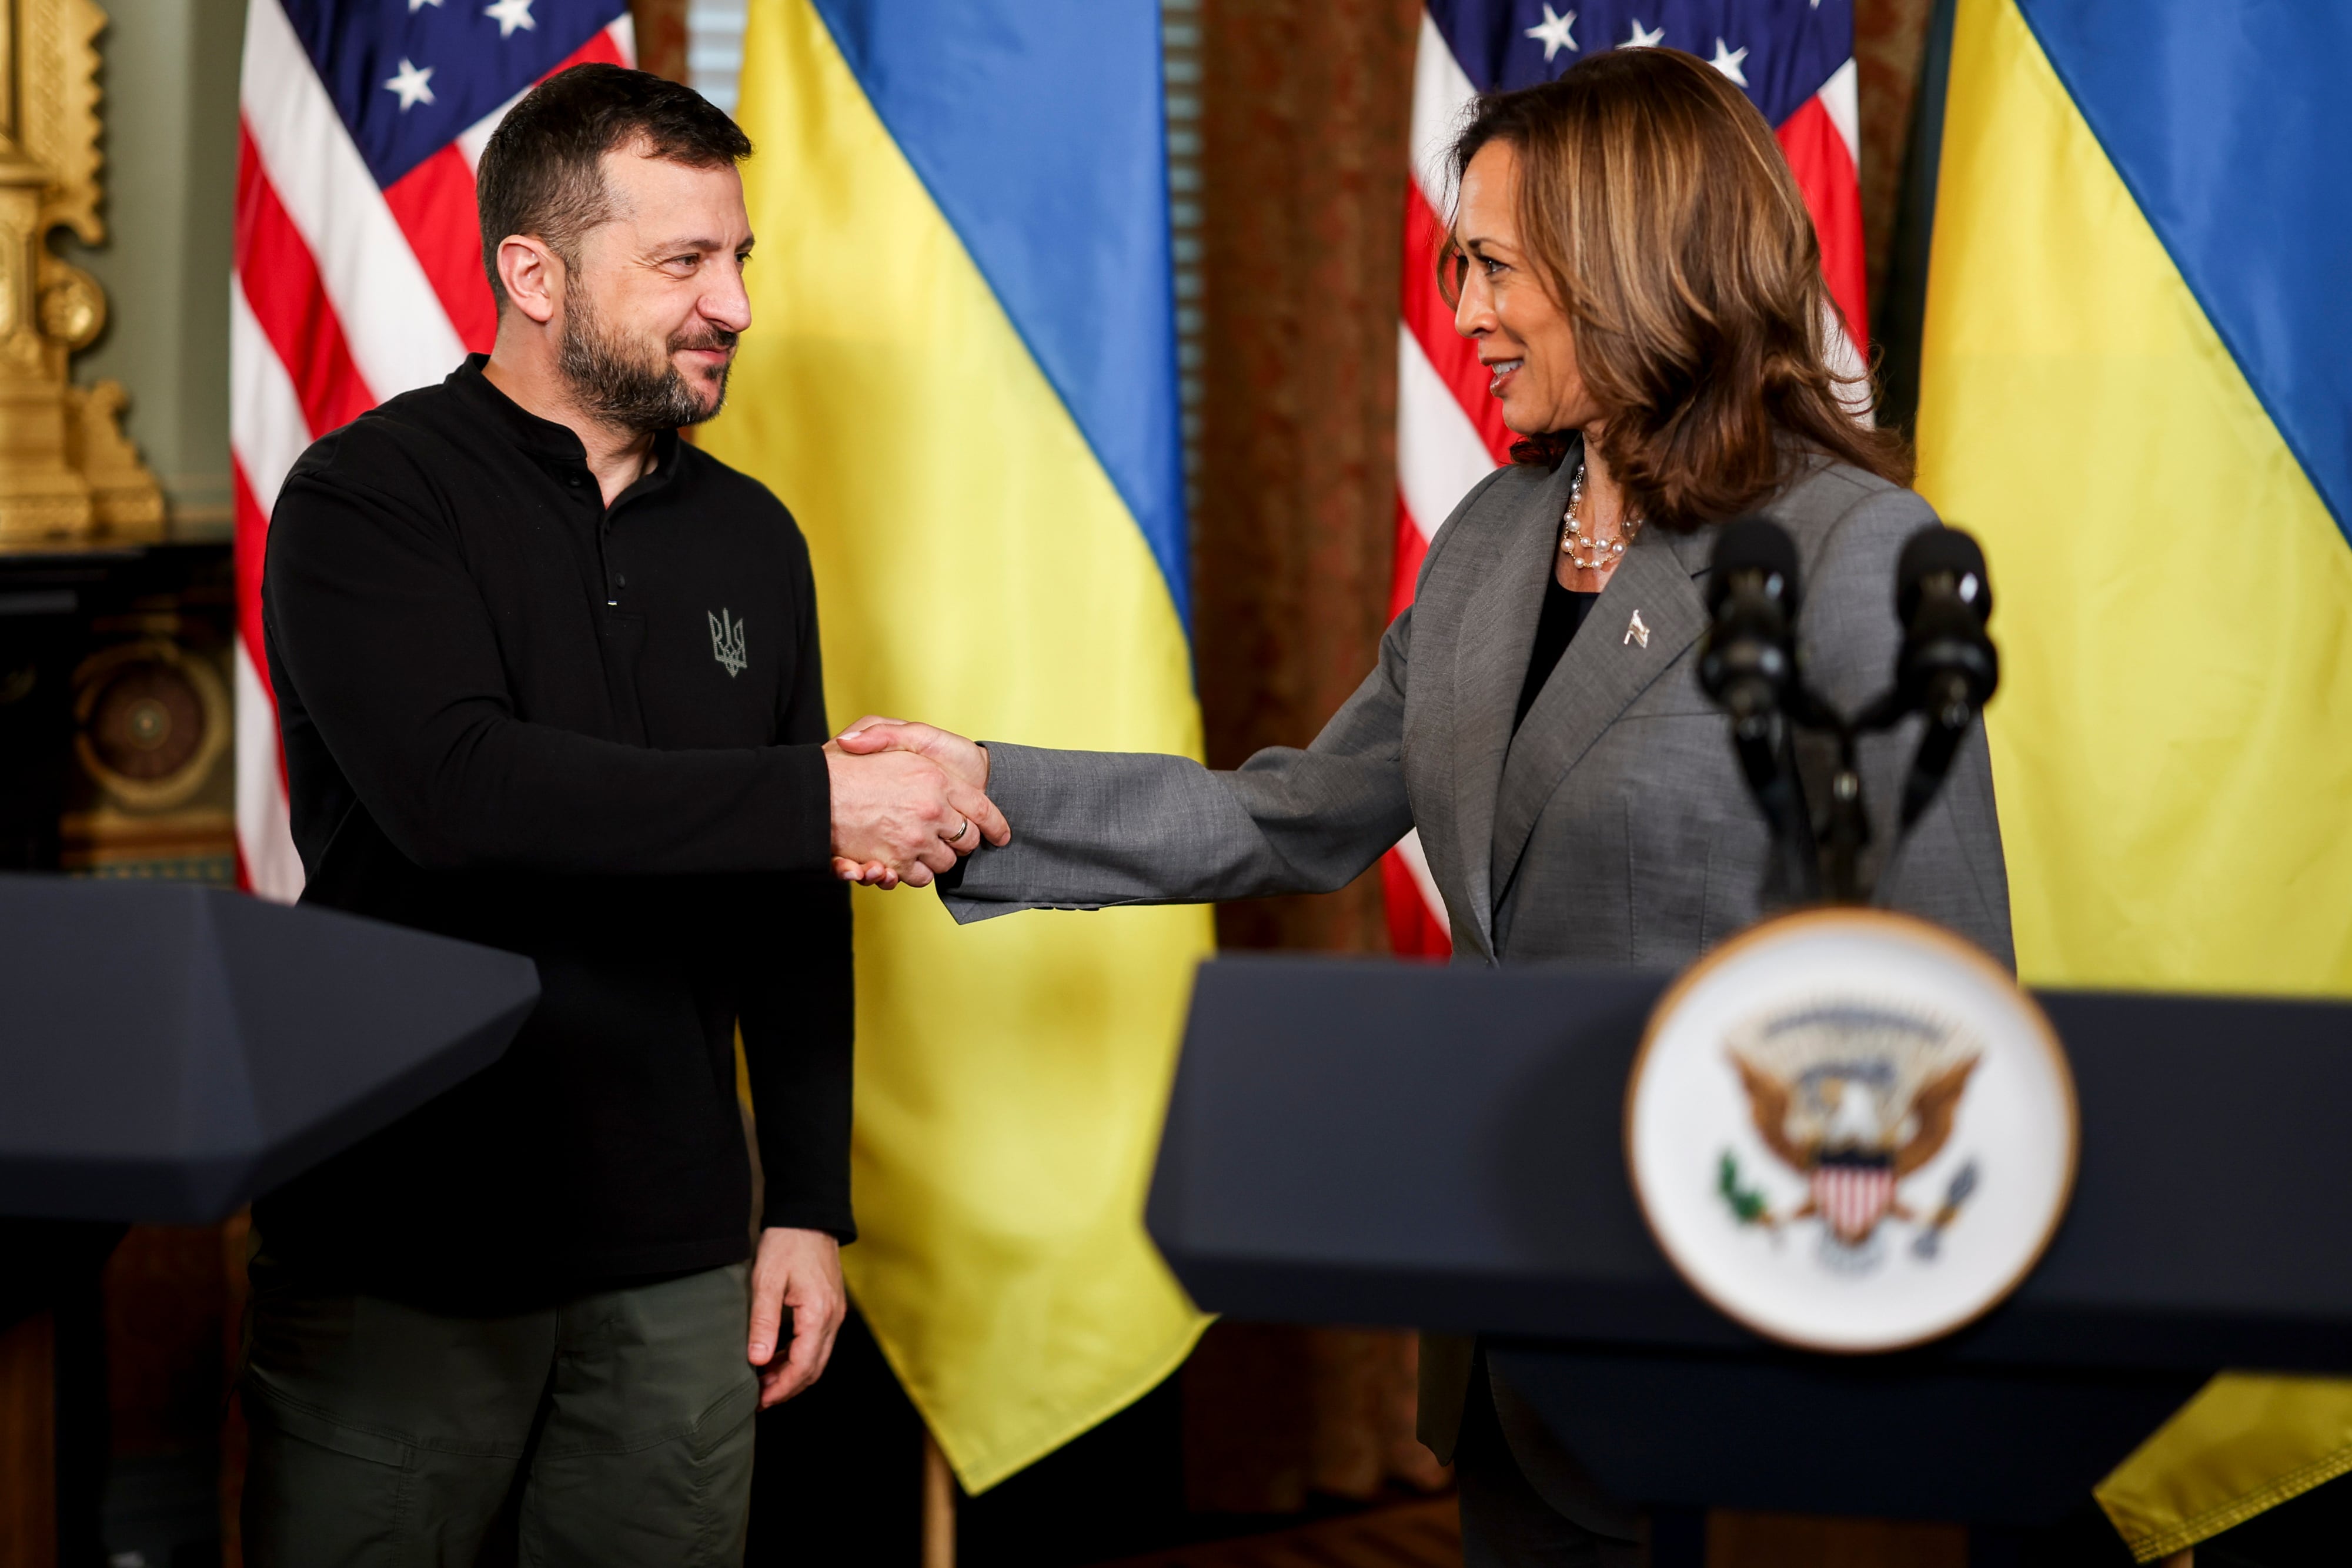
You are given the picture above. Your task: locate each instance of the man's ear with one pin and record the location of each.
(532, 274)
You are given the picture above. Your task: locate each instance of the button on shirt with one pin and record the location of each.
(591, 735)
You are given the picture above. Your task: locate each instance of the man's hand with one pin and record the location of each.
(963, 760)
(799, 1269)
(900, 815)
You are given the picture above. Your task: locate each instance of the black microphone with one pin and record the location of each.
(1947, 668)
(1748, 665)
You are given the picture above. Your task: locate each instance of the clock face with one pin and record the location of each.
(1850, 1130)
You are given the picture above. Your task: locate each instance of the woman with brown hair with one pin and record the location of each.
(1635, 262)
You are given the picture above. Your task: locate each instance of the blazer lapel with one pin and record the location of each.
(1490, 663)
(1605, 668)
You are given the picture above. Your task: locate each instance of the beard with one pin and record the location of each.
(626, 382)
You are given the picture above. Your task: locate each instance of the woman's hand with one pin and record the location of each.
(961, 758)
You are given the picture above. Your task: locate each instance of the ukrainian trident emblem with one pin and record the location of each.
(1855, 1099)
(727, 641)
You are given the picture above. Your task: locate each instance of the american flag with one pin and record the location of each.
(1794, 59)
(359, 260)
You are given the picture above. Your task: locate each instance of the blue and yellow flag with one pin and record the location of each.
(2137, 388)
(961, 377)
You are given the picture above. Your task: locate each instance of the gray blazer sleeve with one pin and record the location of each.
(1950, 870)
(1097, 828)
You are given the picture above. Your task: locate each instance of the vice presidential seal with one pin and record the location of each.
(1850, 1130)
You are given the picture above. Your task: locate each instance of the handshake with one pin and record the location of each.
(908, 801)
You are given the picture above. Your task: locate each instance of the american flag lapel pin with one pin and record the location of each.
(1636, 632)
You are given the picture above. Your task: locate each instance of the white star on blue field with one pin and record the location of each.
(1778, 52)
(1727, 60)
(509, 14)
(1553, 33)
(459, 60)
(412, 83)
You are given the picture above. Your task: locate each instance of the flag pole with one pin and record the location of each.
(938, 1506)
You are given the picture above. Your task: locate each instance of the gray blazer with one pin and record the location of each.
(1614, 827)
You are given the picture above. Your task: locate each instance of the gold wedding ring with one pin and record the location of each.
(962, 828)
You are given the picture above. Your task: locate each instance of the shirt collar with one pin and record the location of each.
(544, 438)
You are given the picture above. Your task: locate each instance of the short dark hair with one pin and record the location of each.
(543, 172)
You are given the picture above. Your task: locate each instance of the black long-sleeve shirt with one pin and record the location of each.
(589, 734)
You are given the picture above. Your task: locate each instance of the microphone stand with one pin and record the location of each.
(1848, 825)
(1844, 831)
(1768, 760)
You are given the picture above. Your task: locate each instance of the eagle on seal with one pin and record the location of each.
(1853, 1099)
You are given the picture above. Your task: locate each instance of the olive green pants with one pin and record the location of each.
(613, 1429)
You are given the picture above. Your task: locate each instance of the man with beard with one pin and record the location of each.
(547, 678)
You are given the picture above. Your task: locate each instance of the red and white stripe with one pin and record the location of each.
(1450, 432)
(1822, 141)
(343, 294)
(1853, 1199)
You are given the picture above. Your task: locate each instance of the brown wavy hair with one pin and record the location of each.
(1659, 213)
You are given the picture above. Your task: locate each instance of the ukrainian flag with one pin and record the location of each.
(961, 377)
(2137, 389)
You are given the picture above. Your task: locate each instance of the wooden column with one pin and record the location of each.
(661, 37)
(28, 1459)
(1889, 36)
(1304, 116)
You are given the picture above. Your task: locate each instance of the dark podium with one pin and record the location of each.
(169, 1051)
(1356, 1141)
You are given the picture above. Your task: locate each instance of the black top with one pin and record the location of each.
(591, 735)
(1564, 610)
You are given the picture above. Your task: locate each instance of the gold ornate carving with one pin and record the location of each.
(123, 500)
(66, 473)
(57, 95)
(152, 720)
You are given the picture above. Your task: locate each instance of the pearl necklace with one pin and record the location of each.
(1605, 553)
